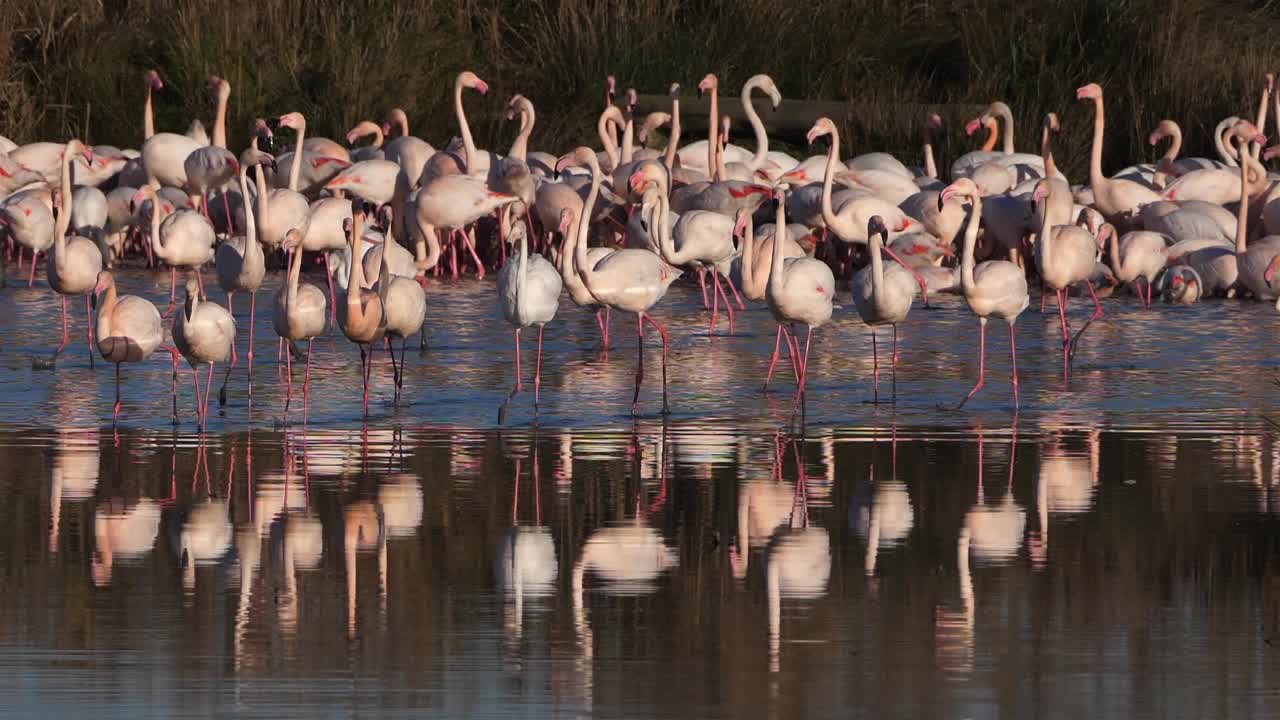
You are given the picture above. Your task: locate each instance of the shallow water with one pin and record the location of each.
(1110, 552)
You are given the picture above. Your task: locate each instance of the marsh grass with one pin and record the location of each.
(67, 62)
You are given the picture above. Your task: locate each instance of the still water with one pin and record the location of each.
(1111, 552)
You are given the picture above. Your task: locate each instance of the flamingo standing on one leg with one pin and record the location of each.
(74, 263)
(996, 288)
(361, 316)
(129, 330)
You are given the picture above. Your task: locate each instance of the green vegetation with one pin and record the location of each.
(62, 61)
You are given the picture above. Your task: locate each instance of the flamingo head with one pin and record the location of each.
(652, 121)
(674, 90)
(144, 193)
(963, 187)
(1041, 192)
(934, 123)
(104, 281)
(75, 147)
(581, 156)
(709, 82)
(1271, 152)
(771, 89)
(972, 126)
(1105, 233)
(153, 80)
(293, 238)
(1271, 82)
(292, 120)
(1271, 269)
(468, 79)
(876, 226)
(1051, 122)
(261, 129)
(740, 222)
(1092, 91)
(823, 126)
(219, 89)
(648, 174)
(250, 157)
(566, 220)
(1178, 281)
(513, 106)
(632, 99)
(1248, 132)
(386, 128)
(610, 88)
(1166, 128)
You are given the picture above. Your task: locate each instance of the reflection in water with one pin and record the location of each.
(674, 569)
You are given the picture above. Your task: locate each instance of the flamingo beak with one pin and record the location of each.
(482, 87)
(972, 126)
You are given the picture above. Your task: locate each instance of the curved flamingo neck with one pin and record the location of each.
(1046, 151)
(930, 166)
(220, 119)
(1096, 178)
(1046, 230)
(1220, 144)
(669, 158)
(1242, 215)
(295, 171)
(148, 116)
(156, 246)
(588, 207)
(63, 221)
(520, 146)
(1114, 243)
(403, 121)
(757, 127)
(253, 257)
(1255, 148)
(628, 139)
(993, 135)
(779, 226)
(1006, 117)
(604, 128)
(713, 129)
(107, 308)
(749, 285)
(468, 145)
(295, 273)
(355, 276)
(970, 243)
(835, 223)
(877, 269)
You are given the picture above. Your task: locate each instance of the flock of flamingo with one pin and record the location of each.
(384, 215)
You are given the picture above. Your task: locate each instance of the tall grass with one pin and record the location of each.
(67, 62)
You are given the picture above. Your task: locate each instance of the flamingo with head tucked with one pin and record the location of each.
(129, 330)
(883, 296)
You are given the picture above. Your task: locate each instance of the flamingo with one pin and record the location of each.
(453, 202)
(28, 216)
(476, 161)
(164, 154)
(372, 180)
(752, 264)
(1118, 200)
(1065, 255)
(699, 238)
(404, 302)
(74, 263)
(313, 162)
(298, 314)
(630, 279)
(205, 334)
(410, 152)
(800, 290)
(996, 288)
(1181, 285)
(529, 294)
(241, 265)
(372, 151)
(129, 330)
(883, 296)
(185, 239)
(212, 167)
(1138, 255)
(361, 317)
(575, 230)
(324, 232)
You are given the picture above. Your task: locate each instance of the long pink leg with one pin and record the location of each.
(288, 375)
(773, 361)
(875, 368)
(1044, 294)
(793, 352)
(635, 399)
(924, 287)
(115, 414)
(200, 282)
(608, 318)
(333, 299)
(253, 307)
(1013, 359)
(895, 362)
(1097, 304)
(475, 257)
(736, 296)
(666, 409)
(88, 313)
(34, 256)
(982, 361)
(715, 306)
(226, 207)
(195, 381)
(702, 281)
(728, 309)
(519, 374)
(173, 291)
(804, 376)
(173, 353)
(537, 373)
(65, 336)
(208, 385)
(306, 385)
(453, 253)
